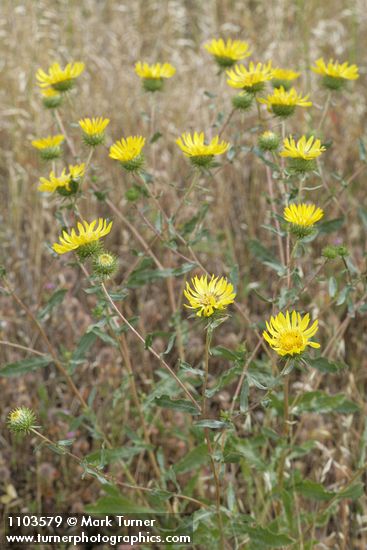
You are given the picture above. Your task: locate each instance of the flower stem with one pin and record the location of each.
(207, 437)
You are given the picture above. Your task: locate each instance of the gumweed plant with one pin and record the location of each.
(238, 364)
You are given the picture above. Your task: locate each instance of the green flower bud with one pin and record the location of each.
(21, 420)
(52, 102)
(153, 84)
(132, 194)
(243, 101)
(105, 265)
(268, 141)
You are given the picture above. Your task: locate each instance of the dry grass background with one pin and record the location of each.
(110, 36)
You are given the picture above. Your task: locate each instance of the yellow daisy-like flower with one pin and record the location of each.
(65, 184)
(283, 103)
(54, 182)
(251, 79)
(49, 147)
(87, 242)
(302, 218)
(302, 154)
(227, 53)
(60, 79)
(335, 74)
(284, 77)
(128, 152)
(93, 130)
(201, 154)
(305, 215)
(290, 334)
(206, 297)
(153, 75)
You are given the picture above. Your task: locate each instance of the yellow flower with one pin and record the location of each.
(87, 241)
(65, 184)
(76, 171)
(153, 75)
(198, 152)
(335, 74)
(252, 79)
(283, 77)
(93, 130)
(49, 147)
(128, 152)
(283, 103)
(60, 79)
(289, 334)
(51, 98)
(305, 215)
(208, 296)
(285, 74)
(227, 53)
(54, 182)
(302, 154)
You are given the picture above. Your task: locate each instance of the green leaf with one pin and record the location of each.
(267, 538)
(176, 404)
(244, 396)
(321, 402)
(226, 378)
(331, 225)
(225, 353)
(144, 274)
(265, 256)
(107, 456)
(213, 424)
(155, 137)
(24, 366)
(353, 492)
(116, 505)
(85, 343)
(313, 490)
(193, 460)
(56, 299)
(324, 365)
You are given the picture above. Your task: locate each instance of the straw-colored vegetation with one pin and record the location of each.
(247, 408)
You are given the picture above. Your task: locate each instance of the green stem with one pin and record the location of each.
(207, 437)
